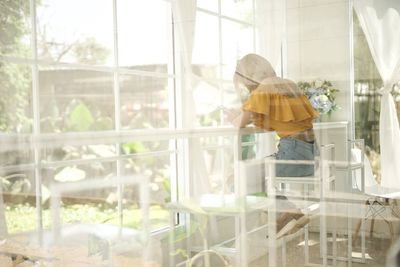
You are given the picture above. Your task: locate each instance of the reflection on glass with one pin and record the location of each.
(15, 98)
(144, 102)
(157, 170)
(76, 100)
(219, 165)
(19, 201)
(70, 31)
(80, 204)
(144, 48)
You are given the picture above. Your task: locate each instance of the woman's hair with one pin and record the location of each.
(252, 69)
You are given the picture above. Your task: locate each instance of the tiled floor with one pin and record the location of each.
(376, 250)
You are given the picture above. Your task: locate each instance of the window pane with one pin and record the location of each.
(135, 147)
(68, 152)
(237, 41)
(158, 169)
(78, 202)
(207, 97)
(211, 5)
(144, 30)
(20, 201)
(15, 28)
(70, 31)
(242, 10)
(219, 157)
(13, 155)
(230, 100)
(15, 100)
(367, 99)
(219, 164)
(205, 57)
(74, 100)
(144, 102)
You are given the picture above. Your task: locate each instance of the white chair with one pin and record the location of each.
(381, 202)
(322, 180)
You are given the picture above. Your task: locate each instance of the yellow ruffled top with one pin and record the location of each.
(272, 111)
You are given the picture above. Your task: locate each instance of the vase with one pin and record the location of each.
(323, 117)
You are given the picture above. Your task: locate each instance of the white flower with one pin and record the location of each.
(321, 103)
(318, 83)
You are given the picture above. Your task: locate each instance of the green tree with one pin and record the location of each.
(15, 81)
(89, 51)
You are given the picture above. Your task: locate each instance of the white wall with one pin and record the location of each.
(319, 46)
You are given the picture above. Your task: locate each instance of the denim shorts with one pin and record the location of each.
(294, 149)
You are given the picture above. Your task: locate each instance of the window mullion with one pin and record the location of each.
(117, 116)
(36, 122)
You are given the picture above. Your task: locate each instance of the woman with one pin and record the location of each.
(277, 104)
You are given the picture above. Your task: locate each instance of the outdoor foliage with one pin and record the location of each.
(75, 114)
(15, 80)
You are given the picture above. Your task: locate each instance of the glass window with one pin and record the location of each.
(241, 10)
(237, 41)
(144, 102)
(111, 72)
(69, 31)
(15, 29)
(144, 34)
(211, 5)
(19, 196)
(205, 57)
(214, 60)
(75, 100)
(367, 98)
(16, 97)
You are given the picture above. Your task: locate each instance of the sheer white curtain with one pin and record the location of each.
(380, 21)
(184, 16)
(197, 179)
(270, 29)
(270, 23)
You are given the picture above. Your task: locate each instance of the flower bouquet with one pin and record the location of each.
(321, 95)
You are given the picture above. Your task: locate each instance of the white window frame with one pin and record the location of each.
(37, 140)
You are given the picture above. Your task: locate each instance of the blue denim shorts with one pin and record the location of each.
(294, 149)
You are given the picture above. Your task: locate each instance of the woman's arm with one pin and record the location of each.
(245, 120)
(238, 118)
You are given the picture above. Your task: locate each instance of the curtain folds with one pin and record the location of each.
(380, 20)
(184, 18)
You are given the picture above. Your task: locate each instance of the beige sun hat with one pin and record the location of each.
(253, 70)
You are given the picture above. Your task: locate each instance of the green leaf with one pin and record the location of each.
(80, 118)
(134, 147)
(182, 232)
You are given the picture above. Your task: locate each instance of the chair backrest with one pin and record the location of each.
(358, 156)
(324, 171)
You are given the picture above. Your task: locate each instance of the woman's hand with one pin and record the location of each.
(233, 116)
(238, 118)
